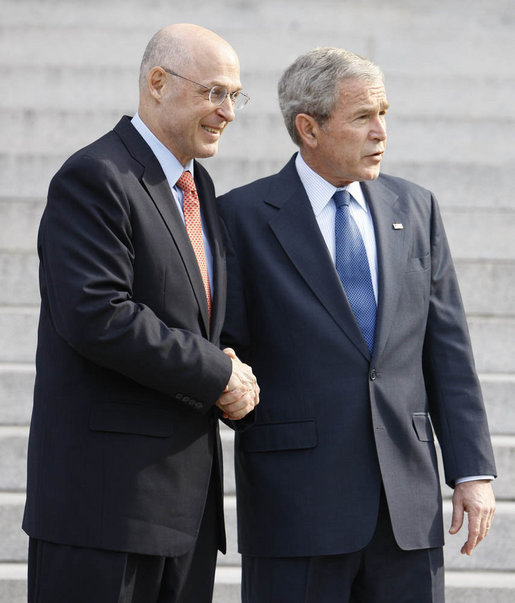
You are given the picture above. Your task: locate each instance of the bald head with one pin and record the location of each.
(181, 46)
(181, 65)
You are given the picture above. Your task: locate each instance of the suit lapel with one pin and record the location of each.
(391, 254)
(297, 231)
(158, 188)
(211, 220)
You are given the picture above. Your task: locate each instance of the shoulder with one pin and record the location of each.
(400, 185)
(252, 195)
(407, 196)
(248, 192)
(107, 151)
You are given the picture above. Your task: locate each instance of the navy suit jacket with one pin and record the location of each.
(335, 423)
(124, 429)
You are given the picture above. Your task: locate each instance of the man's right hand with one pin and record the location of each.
(241, 394)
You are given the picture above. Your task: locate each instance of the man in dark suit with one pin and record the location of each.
(124, 495)
(343, 298)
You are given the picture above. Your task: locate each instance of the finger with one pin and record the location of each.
(230, 352)
(473, 535)
(239, 414)
(229, 398)
(457, 517)
(238, 405)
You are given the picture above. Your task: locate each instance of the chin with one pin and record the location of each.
(204, 153)
(371, 175)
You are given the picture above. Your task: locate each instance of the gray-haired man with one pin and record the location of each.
(343, 297)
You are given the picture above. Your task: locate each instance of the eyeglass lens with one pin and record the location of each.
(218, 94)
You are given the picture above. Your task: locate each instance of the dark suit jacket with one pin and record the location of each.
(124, 427)
(335, 423)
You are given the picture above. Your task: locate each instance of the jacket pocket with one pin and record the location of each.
(418, 264)
(423, 428)
(120, 417)
(291, 435)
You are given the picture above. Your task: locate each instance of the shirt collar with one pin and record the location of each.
(320, 191)
(171, 166)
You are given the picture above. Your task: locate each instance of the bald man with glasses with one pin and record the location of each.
(124, 495)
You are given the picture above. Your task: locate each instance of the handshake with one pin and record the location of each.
(241, 394)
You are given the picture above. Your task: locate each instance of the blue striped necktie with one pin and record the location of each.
(353, 268)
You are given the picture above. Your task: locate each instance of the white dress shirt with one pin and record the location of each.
(173, 170)
(320, 194)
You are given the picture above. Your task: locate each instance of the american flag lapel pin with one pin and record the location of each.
(397, 226)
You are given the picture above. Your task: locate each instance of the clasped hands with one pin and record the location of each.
(241, 394)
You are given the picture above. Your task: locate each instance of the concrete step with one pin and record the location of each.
(399, 15)
(456, 184)
(465, 230)
(461, 587)
(409, 95)
(468, 186)
(16, 389)
(500, 406)
(13, 458)
(493, 339)
(23, 218)
(487, 288)
(495, 553)
(19, 278)
(460, 43)
(493, 342)
(480, 234)
(17, 384)
(428, 139)
(495, 296)
(18, 326)
(474, 140)
(47, 130)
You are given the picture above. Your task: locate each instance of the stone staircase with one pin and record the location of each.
(69, 70)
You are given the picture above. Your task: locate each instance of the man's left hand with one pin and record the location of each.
(476, 498)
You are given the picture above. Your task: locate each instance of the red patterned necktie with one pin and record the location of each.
(191, 208)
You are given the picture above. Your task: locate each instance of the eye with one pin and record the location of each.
(234, 96)
(218, 94)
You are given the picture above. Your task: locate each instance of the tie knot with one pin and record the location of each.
(341, 198)
(186, 182)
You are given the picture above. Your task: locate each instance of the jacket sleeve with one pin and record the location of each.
(87, 268)
(455, 399)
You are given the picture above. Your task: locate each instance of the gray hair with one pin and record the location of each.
(163, 50)
(311, 83)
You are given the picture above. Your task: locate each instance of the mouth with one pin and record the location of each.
(214, 131)
(378, 156)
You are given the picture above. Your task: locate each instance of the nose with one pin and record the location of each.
(226, 109)
(378, 130)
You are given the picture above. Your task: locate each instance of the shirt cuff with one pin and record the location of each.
(474, 478)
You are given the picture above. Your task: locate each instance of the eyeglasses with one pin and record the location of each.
(218, 94)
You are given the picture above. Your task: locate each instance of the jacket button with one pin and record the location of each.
(373, 374)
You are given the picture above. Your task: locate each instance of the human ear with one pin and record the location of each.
(307, 129)
(156, 79)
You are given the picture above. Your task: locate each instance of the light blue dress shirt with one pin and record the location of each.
(320, 193)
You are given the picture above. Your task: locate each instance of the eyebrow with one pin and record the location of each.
(371, 108)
